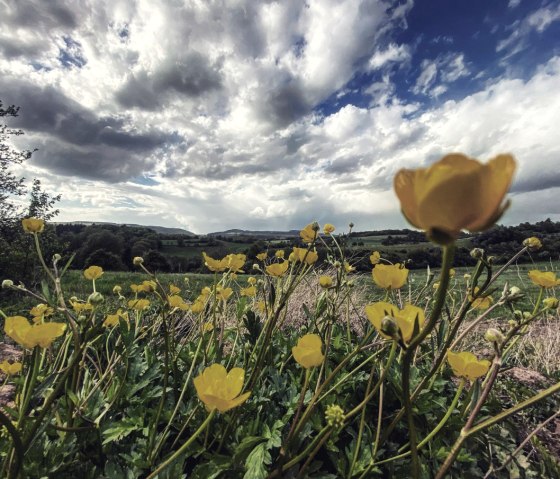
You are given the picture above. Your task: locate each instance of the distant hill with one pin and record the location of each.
(158, 229)
(235, 233)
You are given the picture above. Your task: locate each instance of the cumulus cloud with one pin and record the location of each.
(228, 108)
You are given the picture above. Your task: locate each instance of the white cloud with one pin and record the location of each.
(537, 21)
(223, 95)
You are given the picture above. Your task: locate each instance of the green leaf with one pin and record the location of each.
(256, 461)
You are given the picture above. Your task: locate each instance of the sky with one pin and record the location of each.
(210, 115)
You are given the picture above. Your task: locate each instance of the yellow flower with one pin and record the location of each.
(10, 369)
(223, 293)
(375, 257)
(455, 193)
(277, 269)
(545, 279)
(198, 305)
(138, 304)
(81, 307)
(451, 273)
(348, 267)
(309, 233)
(148, 286)
(212, 264)
(233, 262)
(325, 281)
(28, 336)
(405, 318)
(33, 225)
(467, 365)
(252, 280)
(328, 229)
(113, 319)
(532, 243)
(279, 253)
(175, 301)
(207, 327)
(304, 255)
(40, 311)
(483, 302)
(93, 272)
(174, 289)
(307, 353)
(250, 291)
(389, 276)
(262, 256)
(220, 390)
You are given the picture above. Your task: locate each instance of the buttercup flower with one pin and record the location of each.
(33, 225)
(41, 311)
(93, 272)
(113, 319)
(389, 276)
(175, 301)
(29, 336)
(277, 269)
(309, 233)
(252, 280)
(9, 369)
(375, 257)
(223, 293)
(279, 254)
(533, 243)
(174, 289)
(545, 279)
(220, 390)
(455, 193)
(304, 255)
(308, 353)
(262, 256)
(328, 229)
(250, 291)
(138, 304)
(325, 281)
(232, 262)
(483, 302)
(81, 307)
(467, 365)
(405, 318)
(348, 267)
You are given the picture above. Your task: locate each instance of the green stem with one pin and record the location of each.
(448, 252)
(165, 464)
(18, 446)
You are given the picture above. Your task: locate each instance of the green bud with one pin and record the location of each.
(96, 298)
(7, 283)
(334, 415)
(389, 327)
(494, 336)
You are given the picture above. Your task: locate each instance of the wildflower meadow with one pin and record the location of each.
(400, 380)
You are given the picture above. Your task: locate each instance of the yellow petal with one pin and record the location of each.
(233, 383)
(476, 369)
(404, 188)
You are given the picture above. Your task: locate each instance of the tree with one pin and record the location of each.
(17, 257)
(10, 185)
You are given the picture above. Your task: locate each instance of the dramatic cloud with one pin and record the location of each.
(212, 115)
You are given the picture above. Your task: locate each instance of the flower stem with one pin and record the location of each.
(165, 464)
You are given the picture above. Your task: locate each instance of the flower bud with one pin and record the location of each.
(477, 253)
(351, 225)
(117, 289)
(494, 336)
(467, 276)
(526, 314)
(56, 257)
(7, 283)
(96, 298)
(315, 226)
(533, 243)
(334, 415)
(137, 261)
(491, 259)
(550, 303)
(512, 294)
(389, 327)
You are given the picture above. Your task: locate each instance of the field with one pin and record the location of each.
(294, 368)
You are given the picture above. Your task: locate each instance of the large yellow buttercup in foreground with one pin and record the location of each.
(456, 193)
